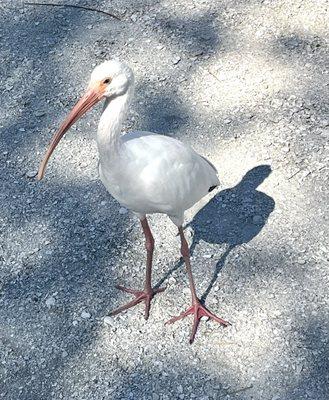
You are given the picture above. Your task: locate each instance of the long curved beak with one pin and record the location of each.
(90, 98)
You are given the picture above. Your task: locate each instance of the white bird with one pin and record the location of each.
(145, 172)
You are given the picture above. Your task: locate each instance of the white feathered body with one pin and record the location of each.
(147, 172)
(152, 173)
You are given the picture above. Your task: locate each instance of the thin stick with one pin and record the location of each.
(72, 6)
(240, 390)
(211, 73)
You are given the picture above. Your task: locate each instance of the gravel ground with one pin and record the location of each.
(246, 84)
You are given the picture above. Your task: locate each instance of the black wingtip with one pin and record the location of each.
(212, 188)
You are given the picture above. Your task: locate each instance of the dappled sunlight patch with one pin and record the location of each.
(301, 17)
(244, 84)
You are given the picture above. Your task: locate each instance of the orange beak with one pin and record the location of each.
(90, 98)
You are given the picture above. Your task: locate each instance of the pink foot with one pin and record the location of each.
(198, 310)
(140, 295)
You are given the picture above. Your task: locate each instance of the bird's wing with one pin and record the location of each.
(162, 174)
(210, 163)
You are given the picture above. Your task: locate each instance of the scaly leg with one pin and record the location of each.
(148, 293)
(197, 309)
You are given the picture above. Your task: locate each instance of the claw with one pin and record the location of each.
(140, 295)
(199, 311)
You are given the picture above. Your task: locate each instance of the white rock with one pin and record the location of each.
(50, 302)
(108, 321)
(31, 174)
(207, 256)
(85, 315)
(133, 17)
(176, 60)
(39, 113)
(122, 210)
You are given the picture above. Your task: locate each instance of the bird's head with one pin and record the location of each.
(111, 78)
(108, 80)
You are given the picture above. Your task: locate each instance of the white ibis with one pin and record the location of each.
(145, 172)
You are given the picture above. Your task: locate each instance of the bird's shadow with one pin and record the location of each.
(232, 217)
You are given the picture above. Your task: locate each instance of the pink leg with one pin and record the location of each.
(148, 293)
(197, 309)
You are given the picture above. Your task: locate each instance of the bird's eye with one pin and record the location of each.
(107, 80)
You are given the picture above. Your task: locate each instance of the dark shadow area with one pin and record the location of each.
(178, 381)
(195, 39)
(298, 46)
(304, 108)
(312, 371)
(34, 75)
(165, 114)
(198, 35)
(232, 217)
(74, 267)
(74, 264)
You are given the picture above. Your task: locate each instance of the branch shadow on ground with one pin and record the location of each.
(232, 217)
(77, 266)
(196, 35)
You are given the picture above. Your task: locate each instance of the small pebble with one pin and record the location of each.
(176, 60)
(39, 113)
(108, 321)
(208, 256)
(257, 220)
(197, 52)
(31, 174)
(85, 315)
(133, 17)
(50, 302)
(122, 210)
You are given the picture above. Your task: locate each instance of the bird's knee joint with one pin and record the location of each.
(185, 251)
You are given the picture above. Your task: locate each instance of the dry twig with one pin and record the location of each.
(240, 390)
(73, 6)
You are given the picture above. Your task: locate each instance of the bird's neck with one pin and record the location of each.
(109, 128)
